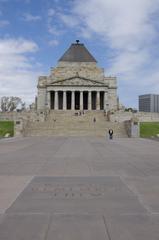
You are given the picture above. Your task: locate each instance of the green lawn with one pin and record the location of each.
(149, 129)
(6, 127)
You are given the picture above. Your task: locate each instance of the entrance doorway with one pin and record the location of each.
(60, 100)
(94, 96)
(85, 100)
(52, 96)
(101, 100)
(77, 100)
(68, 100)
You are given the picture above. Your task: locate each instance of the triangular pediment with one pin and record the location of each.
(77, 81)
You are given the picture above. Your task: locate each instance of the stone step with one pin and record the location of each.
(73, 133)
(67, 124)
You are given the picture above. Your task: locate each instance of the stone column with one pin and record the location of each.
(89, 100)
(64, 100)
(98, 101)
(81, 100)
(56, 100)
(106, 101)
(73, 100)
(48, 100)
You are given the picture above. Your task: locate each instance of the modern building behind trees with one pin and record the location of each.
(149, 103)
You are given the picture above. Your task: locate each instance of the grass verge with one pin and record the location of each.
(6, 127)
(149, 129)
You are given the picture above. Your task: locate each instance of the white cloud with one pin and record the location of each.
(54, 43)
(52, 24)
(17, 46)
(68, 20)
(31, 18)
(18, 71)
(54, 30)
(51, 12)
(4, 23)
(127, 28)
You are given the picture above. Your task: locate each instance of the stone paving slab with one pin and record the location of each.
(10, 188)
(19, 169)
(72, 195)
(147, 189)
(58, 227)
(26, 227)
(113, 189)
(77, 227)
(133, 227)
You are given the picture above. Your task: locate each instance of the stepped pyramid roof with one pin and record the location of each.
(77, 52)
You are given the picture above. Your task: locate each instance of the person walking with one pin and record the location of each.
(110, 134)
(94, 119)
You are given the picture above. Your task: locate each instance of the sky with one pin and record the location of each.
(123, 36)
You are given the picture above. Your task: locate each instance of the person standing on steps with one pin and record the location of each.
(110, 134)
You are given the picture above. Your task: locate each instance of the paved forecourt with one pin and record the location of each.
(79, 188)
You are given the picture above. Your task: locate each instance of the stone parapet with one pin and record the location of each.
(121, 116)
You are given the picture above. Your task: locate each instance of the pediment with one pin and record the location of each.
(77, 81)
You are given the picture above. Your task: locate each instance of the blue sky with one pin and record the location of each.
(122, 35)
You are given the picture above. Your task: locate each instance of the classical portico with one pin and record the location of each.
(76, 99)
(77, 83)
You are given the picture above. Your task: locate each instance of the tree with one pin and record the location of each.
(9, 104)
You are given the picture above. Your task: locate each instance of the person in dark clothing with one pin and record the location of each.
(94, 119)
(110, 133)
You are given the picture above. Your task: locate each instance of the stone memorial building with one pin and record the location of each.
(77, 83)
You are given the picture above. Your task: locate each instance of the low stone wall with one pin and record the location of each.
(140, 116)
(128, 127)
(22, 119)
(132, 128)
(131, 120)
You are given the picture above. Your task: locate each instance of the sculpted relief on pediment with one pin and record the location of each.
(77, 82)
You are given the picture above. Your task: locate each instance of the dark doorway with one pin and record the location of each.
(68, 100)
(85, 100)
(52, 97)
(77, 100)
(101, 100)
(94, 100)
(60, 100)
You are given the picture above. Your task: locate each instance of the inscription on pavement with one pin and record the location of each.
(85, 191)
(77, 195)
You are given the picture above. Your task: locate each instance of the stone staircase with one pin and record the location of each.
(71, 123)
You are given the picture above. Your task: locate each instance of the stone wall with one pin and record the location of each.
(121, 116)
(41, 100)
(132, 128)
(68, 70)
(22, 119)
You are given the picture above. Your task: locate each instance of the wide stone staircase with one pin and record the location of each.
(72, 123)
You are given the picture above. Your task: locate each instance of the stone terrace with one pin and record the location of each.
(67, 123)
(82, 188)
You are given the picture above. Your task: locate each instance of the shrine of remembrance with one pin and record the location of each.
(77, 83)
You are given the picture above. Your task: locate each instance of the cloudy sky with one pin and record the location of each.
(123, 35)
